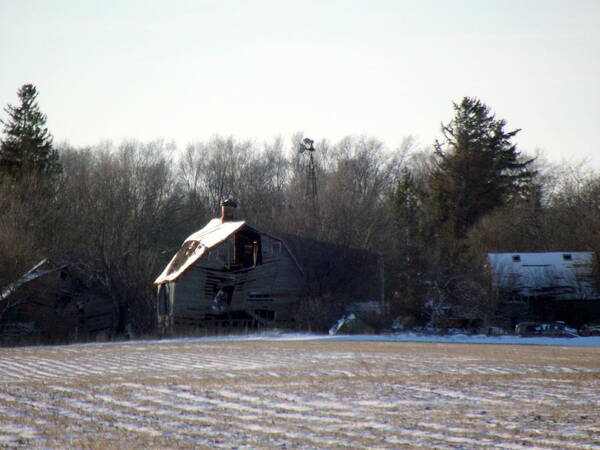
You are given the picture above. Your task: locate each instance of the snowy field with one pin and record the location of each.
(303, 391)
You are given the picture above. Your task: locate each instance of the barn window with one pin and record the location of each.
(516, 258)
(276, 248)
(567, 256)
(247, 249)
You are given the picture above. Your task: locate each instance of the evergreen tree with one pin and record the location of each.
(27, 144)
(477, 168)
(407, 262)
(407, 200)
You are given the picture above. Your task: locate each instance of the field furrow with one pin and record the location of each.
(266, 394)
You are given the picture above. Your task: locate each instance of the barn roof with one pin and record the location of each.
(196, 245)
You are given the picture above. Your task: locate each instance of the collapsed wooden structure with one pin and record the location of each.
(48, 301)
(230, 274)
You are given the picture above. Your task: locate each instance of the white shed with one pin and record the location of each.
(557, 275)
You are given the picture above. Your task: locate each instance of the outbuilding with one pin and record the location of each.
(546, 286)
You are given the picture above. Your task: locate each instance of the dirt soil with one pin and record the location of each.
(299, 394)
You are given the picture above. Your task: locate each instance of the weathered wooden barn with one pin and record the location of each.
(546, 285)
(230, 274)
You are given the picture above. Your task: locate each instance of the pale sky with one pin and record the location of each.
(187, 70)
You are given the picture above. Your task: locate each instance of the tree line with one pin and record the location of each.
(115, 213)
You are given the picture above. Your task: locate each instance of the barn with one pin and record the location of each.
(229, 274)
(546, 285)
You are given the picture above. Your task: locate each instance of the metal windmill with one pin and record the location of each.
(310, 193)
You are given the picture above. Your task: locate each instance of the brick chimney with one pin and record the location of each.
(227, 210)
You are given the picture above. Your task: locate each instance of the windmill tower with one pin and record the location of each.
(310, 192)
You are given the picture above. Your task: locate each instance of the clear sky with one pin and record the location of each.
(187, 70)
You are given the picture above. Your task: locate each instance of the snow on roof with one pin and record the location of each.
(196, 245)
(563, 275)
(34, 273)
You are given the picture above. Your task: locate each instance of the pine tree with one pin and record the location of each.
(27, 144)
(478, 168)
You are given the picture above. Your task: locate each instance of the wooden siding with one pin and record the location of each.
(187, 309)
(349, 274)
(99, 315)
(269, 289)
(268, 292)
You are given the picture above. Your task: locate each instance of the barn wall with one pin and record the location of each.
(268, 290)
(276, 285)
(348, 274)
(187, 307)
